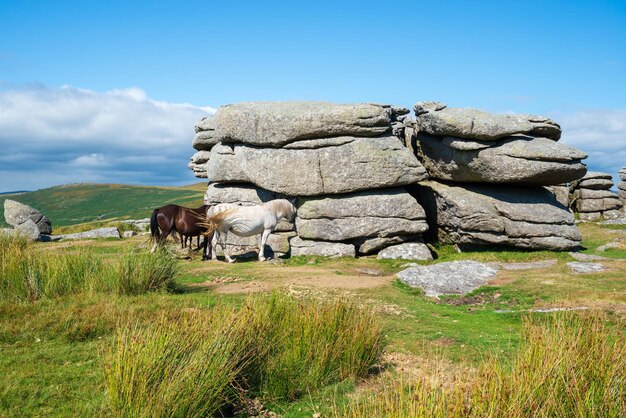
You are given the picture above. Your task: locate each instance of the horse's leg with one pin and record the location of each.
(213, 244)
(224, 236)
(266, 234)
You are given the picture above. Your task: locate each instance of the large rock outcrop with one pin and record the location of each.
(16, 214)
(478, 215)
(591, 197)
(346, 163)
(469, 145)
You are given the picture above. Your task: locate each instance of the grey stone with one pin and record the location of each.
(522, 217)
(590, 216)
(275, 124)
(378, 213)
(207, 123)
(204, 141)
(586, 257)
(371, 245)
(595, 184)
(199, 170)
(561, 193)
(109, 232)
(451, 278)
(242, 194)
(613, 214)
(364, 163)
(608, 246)
(597, 175)
(29, 230)
(327, 249)
(129, 234)
(439, 120)
(406, 251)
(593, 194)
(16, 213)
(224, 166)
(513, 159)
(583, 267)
(200, 157)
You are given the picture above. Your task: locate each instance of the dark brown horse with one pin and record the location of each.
(170, 219)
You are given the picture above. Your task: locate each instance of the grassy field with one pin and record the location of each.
(60, 350)
(80, 203)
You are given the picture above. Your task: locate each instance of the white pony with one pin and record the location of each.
(247, 221)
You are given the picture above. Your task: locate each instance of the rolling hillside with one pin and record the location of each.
(80, 203)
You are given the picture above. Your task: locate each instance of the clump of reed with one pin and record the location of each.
(569, 365)
(273, 348)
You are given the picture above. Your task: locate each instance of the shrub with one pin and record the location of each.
(569, 365)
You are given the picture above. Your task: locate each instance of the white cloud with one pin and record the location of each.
(599, 132)
(122, 135)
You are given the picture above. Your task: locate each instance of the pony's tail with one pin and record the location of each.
(212, 223)
(154, 226)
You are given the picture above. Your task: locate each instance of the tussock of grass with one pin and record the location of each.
(274, 348)
(570, 365)
(28, 275)
(145, 272)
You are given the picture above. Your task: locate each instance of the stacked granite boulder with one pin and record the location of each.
(26, 221)
(621, 186)
(488, 174)
(344, 163)
(591, 197)
(203, 142)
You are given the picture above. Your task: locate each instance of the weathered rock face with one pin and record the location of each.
(29, 229)
(16, 214)
(621, 186)
(592, 198)
(472, 146)
(522, 217)
(326, 249)
(349, 164)
(376, 214)
(513, 159)
(275, 124)
(203, 141)
(437, 119)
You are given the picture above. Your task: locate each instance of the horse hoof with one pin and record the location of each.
(263, 259)
(231, 261)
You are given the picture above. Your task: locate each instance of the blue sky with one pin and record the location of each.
(150, 69)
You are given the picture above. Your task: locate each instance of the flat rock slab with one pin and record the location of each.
(327, 249)
(406, 251)
(110, 232)
(274, 124)
(514, 159)
(358, 164)
(531, 265)
(586, 257)
(451, 278)
(437, 119)
(582, 267)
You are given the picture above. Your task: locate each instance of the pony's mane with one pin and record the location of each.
(280, 205)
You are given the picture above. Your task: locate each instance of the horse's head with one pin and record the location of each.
(286, 209)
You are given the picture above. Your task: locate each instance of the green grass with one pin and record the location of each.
(83, 203)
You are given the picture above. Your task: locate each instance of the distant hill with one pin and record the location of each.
(79, 203)
(15, 192)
